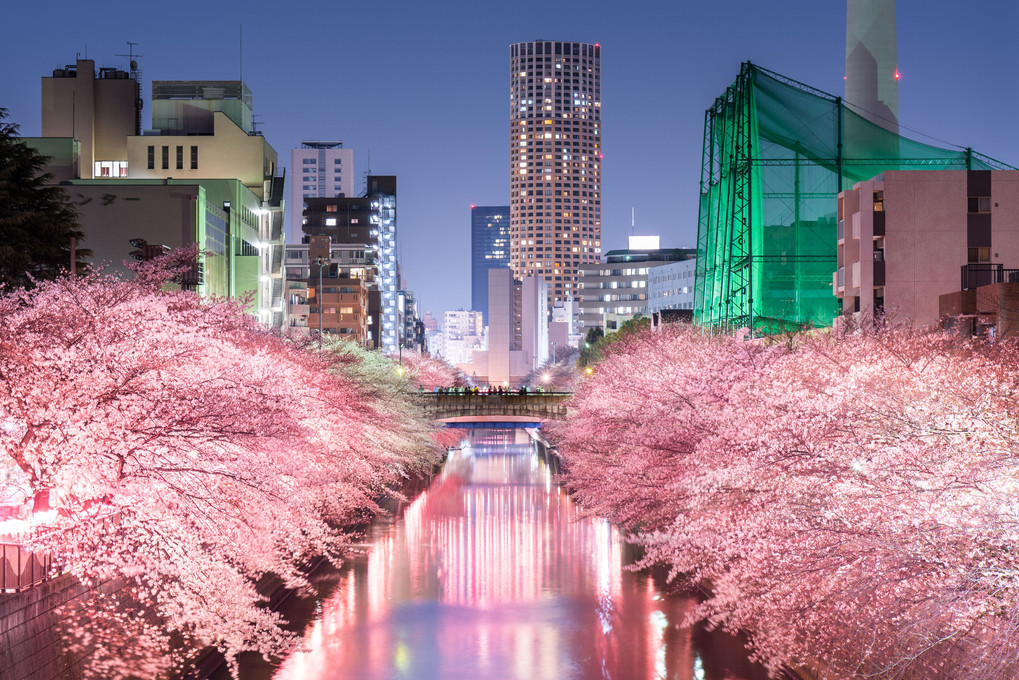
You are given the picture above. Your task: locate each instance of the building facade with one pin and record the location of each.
(490, 248)
(369, 221)
(905, 238)
(462, 335)
(555, 161)
(318, 170)
(671, 286)
(199, 176)
(100, 109)
(517, 330)
(618, 288)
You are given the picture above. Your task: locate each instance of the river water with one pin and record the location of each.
(494, 573)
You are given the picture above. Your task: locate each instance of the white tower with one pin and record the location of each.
(872, 75)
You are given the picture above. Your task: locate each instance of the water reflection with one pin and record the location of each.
(493, 573)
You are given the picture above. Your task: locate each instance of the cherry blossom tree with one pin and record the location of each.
(847, 500)
(189, 453)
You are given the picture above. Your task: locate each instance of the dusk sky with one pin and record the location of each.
(424, 87)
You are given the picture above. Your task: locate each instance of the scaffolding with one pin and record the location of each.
(776, 154)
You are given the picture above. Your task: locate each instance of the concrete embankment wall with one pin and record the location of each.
(31, 647)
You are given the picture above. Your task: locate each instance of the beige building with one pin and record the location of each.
(905, 238)
(100, 109)
(555, 162)
(517, 330)
(201, 176)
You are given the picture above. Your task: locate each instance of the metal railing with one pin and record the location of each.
(976, 275)
(21, 569)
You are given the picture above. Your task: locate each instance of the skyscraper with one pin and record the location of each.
(872, 74)
(555, 161)
(318, 170)
(489, 250)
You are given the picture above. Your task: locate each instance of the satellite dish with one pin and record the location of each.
(134, 65)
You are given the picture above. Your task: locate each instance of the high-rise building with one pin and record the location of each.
(318, 170)
(872, 73)
(490, 246)
(555, 161)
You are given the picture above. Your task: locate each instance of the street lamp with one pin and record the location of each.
(318, 294)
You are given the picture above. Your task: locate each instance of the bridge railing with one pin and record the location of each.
(541, 405)
(21, 568)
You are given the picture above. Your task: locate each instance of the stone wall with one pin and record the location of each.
(30, 644)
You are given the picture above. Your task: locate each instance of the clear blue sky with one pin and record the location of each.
(424, 86)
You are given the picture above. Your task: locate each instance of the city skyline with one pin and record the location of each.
(426, 96)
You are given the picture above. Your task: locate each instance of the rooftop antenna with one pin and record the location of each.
(136, 75)
(240, 51)
(633, 221)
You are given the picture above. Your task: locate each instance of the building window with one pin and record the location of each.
(194, 157)
(977, 255)
(330, 221)
(331, 208)
(979, 204)
(152, 158)
(337, 161)
(166, 158)
(308, 161)
(180, 157)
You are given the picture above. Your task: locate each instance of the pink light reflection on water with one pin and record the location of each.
(494, 573)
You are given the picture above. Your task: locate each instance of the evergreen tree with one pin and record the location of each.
(38, 224)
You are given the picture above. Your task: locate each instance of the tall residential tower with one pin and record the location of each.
(555, 161)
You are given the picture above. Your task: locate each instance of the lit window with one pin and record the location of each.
(330, 221)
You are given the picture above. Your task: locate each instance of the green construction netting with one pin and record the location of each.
(776, 155)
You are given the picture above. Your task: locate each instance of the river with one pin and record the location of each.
(494, 573)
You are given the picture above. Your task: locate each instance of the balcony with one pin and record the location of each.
(879, 272)
(879, 224)
(976, 275)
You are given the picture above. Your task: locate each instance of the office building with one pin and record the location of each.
(555, 161)
(317, 170)
(462, 335)
(199, 176)
(517, 330)
(907, 238)
(490, 248)
(618, 288)
(670, 286)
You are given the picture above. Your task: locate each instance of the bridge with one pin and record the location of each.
(496, 410)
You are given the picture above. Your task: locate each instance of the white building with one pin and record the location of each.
(462, 335)
(318, 170)
(517, 330)
(671, 286)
